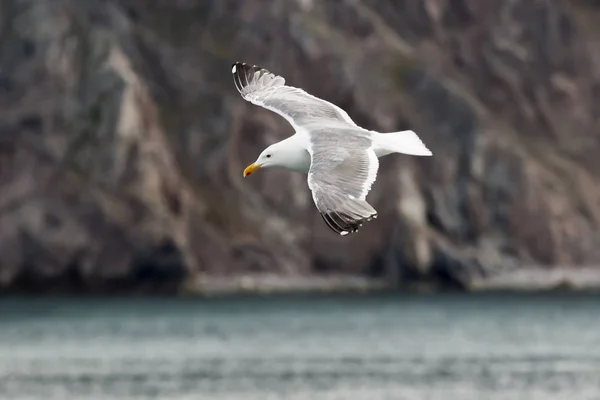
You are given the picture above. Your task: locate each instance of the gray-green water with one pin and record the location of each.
(446, 347)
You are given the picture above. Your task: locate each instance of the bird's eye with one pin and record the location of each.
(268, 156)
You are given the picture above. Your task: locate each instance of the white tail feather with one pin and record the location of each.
(405, 142)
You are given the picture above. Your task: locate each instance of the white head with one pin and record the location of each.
(285, 154)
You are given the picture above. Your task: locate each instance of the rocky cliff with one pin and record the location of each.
(123, 139)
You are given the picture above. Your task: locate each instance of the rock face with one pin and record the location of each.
(123, 139)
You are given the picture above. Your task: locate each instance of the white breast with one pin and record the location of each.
(295, 151)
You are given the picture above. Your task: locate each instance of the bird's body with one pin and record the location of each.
(340, 158)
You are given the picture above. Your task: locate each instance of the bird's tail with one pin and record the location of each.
(405, 142)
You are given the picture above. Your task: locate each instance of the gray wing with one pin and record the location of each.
(259, 86)
(342, 171)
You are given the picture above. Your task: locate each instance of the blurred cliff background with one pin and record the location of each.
(122, 146)
(123, 141)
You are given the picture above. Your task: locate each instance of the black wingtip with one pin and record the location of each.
(245, 75)
(241, 73)
(242, 67)
(343, 224)
(238, 67)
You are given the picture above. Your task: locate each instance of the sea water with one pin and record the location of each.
(437, 347)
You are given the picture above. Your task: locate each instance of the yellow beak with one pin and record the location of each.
(251, 168)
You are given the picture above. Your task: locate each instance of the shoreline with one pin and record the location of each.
(210, 285)
(533, 279)
(526, 279)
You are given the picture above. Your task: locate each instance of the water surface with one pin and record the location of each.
(438, 347)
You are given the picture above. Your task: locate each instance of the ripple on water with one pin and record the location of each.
(407, 347)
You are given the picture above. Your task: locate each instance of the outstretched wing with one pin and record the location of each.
(263, 88)
(340, 177)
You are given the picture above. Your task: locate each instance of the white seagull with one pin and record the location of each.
(340, 157)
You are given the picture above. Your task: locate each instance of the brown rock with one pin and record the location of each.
(123, 140)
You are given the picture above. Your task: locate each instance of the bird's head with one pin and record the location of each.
(272, 156)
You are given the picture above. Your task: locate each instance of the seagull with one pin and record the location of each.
(340, 157)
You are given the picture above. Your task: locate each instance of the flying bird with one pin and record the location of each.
(340, 157)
